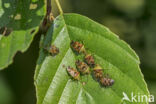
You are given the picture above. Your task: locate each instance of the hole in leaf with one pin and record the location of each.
(5, 31)
(6, 5)
(32, 31)
(32, 6)
(17, 17)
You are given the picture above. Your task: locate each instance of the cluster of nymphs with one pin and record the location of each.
(85, 66)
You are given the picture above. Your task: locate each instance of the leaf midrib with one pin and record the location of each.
(55, 74)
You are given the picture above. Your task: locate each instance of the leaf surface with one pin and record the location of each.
(55, 86)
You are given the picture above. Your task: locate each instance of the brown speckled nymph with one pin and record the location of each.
(53, 50)
(73, 73)
(82, 66)
(77, 46)
(90, 60)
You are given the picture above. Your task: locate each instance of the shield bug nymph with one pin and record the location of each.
(104, 81)
(73, 73)
(82, 66)
(98, 72)
(53, 50)
(77, 46)
(90, 60)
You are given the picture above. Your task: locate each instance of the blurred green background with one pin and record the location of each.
(133, 20)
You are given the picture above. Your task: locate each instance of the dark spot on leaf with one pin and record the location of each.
(63, 66)
(32, 31)
(1, 30)
(5, 31)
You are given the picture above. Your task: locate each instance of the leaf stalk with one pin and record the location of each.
(59, 6)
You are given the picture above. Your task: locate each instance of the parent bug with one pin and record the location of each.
(77, 46)
(73, 73)
(98, 72)
(104, 81)
(90, 60)
(82, 66)
(53, 50)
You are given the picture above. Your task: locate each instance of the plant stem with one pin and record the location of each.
(49, 8)
(59, 6)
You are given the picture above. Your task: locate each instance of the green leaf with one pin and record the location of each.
(22, 18)
(54, 85)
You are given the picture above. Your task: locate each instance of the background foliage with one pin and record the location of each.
(133, 20)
